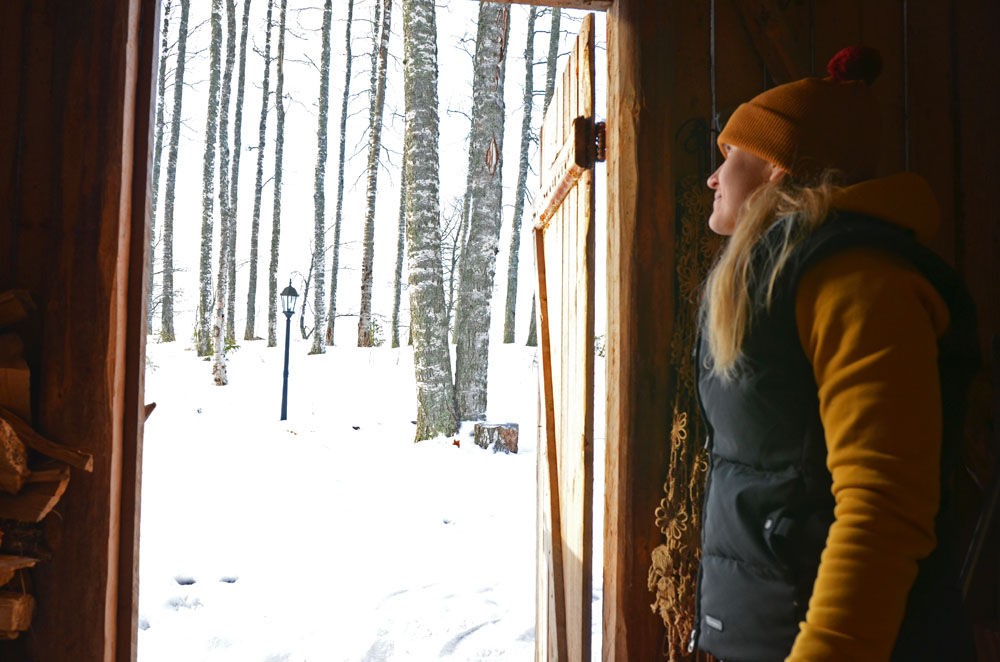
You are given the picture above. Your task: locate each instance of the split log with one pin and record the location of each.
(15, 377)
(501, 436)
(16, 610)
(37, 498)
(13, 459)
(35, 540)
(14, 307)
(10, 564)
(56, 451)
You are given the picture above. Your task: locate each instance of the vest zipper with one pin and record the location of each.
(696, 629)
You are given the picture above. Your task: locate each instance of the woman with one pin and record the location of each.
(833, 357)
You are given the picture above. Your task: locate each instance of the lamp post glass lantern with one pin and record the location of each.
(288, 297)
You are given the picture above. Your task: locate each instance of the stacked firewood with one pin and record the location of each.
(34, 474)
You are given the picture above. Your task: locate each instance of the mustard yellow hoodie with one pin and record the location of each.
(869, 324)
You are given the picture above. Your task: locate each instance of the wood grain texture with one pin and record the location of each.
(592, 5)
(565, 259)
(135, 410)
(74, 209)
(652, 92)
(776, 44)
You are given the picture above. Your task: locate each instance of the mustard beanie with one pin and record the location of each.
(815, 124)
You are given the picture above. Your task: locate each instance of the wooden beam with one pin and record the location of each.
(135, 411)
(590, 5)
(640, 291)
(659, 103)
(75, 167)
(773, 39)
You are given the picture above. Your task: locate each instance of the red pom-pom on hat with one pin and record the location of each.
(855, 63)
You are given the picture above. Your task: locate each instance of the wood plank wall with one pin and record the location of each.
(68, 112)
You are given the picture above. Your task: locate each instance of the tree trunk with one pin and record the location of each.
(460, 239)
(332, 317)
(550, 86)
(397, 286)
(161, 93)
(234, 184)
(167, 300)
(249, 333)
(305, 297)
(208, 181)
(431, 361)
(319, 196)
(375, 148)
(478, 266)
(279, 146)
(225, 217)
(522, 180)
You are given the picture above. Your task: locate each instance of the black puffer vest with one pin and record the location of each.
(768, 505)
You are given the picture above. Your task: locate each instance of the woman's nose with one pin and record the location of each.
(713, 179)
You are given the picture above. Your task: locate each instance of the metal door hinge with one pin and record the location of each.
(601, 141)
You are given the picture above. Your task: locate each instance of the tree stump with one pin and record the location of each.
(501, 436)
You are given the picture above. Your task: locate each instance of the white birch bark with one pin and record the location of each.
(550, 86)
(431, 361)
(161, 93)
(522, 181)
(167, 298)
(375, 148)
(221, 289)
(319, 196)
(208, 182)
(250, 333)
(478, 266)
(234, 183)
(279, 148)
(332, 317)
(397, 285)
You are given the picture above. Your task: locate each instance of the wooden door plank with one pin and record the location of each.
(551, 459)
(565, 244)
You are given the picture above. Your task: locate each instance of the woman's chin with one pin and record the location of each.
(718, 225)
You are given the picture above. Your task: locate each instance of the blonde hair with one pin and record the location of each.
(727, 307)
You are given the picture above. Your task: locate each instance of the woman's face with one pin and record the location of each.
(739, 175)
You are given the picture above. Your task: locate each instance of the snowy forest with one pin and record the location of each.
(375, 178)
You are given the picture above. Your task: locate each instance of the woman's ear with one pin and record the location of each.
(776, 173)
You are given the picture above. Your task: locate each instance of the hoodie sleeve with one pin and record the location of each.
(869, 324)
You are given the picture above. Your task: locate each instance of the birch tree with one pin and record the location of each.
(522, 180)
(478, 266)
(167, 299)
(221, 289)
(431, 361)
(208, 181)
(550, 86)
(375, 148)
(234, 184)
(319, 196)
(332, 317)
(279, 146)
(249, 333)
(161, 93)
(397, 285)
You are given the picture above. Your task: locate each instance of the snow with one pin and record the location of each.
(332, 536)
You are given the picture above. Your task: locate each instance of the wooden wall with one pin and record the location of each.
(75, 112)
(941, 108)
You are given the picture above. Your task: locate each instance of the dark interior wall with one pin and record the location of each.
(69, 72)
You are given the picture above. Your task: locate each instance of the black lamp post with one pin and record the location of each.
(288, 297)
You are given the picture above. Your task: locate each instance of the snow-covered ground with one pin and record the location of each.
(332, 536)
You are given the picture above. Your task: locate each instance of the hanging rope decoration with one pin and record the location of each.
(674, 567)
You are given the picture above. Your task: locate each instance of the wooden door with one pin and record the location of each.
(564, 253)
